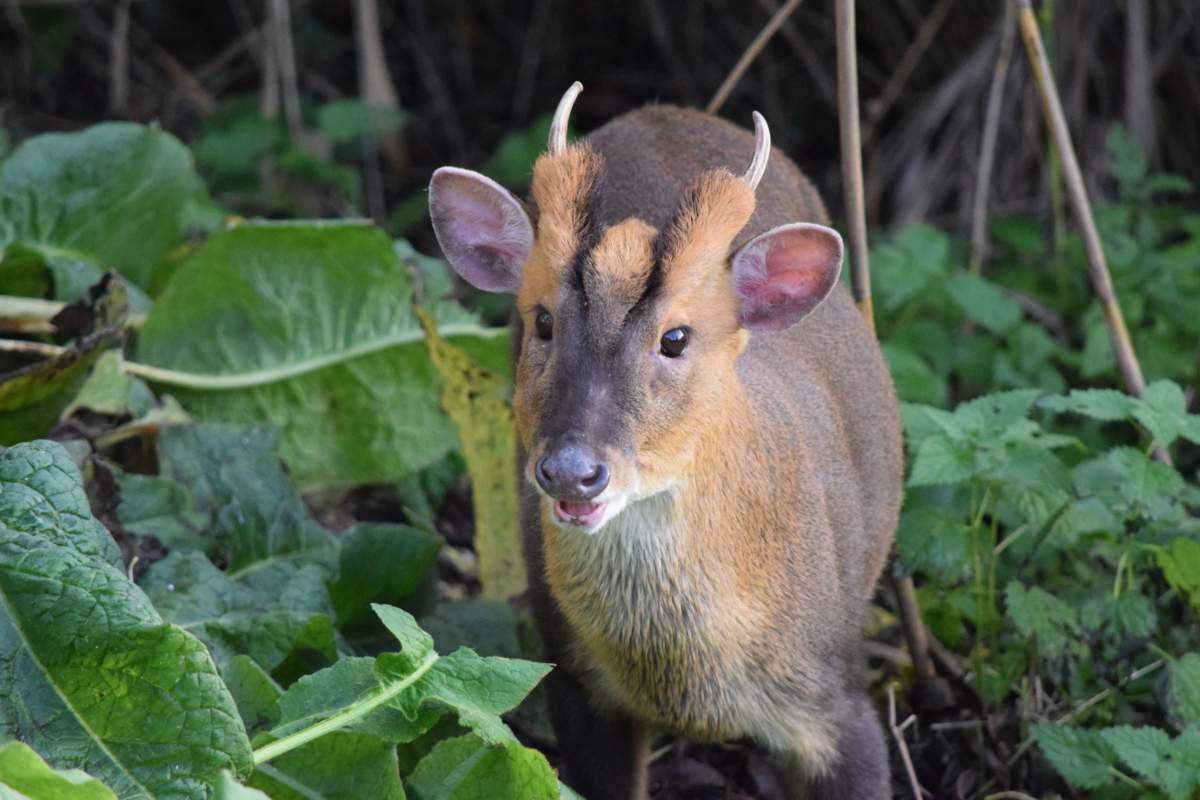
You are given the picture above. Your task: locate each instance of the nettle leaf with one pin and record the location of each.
(933, 541)
(23, 771)
(984, 302)
(309, 326)
(916, 381)
(1131, 484)
(1108, 405)
(1081, 756)
(380, 563)
(104, 684)
(1173, 765)
(268, 614)
(1038, 614)
(110, 196)
(1180, 565)
(238, 504)
(1183, 696)
(940, 459)
(469, 768)
(1163, 410)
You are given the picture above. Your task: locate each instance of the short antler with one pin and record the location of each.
(762, 150)
(558, 128)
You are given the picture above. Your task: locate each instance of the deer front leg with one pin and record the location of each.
(860, 769)
(604, 756)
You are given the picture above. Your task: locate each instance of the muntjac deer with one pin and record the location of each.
(709, 441)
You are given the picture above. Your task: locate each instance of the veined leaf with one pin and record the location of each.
(398, 696)
(1180, 564)
(100, 683)
(110, 196)
(468, 768)
(1081, 756)
(309, 326)
(1037, 613)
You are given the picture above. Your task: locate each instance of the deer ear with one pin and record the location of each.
(483, 230)
(782, 275)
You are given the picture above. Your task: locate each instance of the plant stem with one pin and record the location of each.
(344, 717)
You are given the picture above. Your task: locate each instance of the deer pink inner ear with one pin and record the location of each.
(483, 230)
(782, 275)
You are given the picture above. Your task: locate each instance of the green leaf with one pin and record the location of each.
(940, 459)
(1036, 613)
(1102, 404)
(32, 397)
(1143, 749)
(263, 615)
(23, 771)
(254, 691)
(916, 381)
(1180, 565)
(380, 563)
(103, 684)
(1183, 696)
(477, 402)
(308, 326)
(410, 691)
(110, 196)
(477, 689)
(468, 768)
(984, 302)
(1081, 756)
(488, 627)
(343, 764)
(933, 541)
(1163, 410)
(347, 120)
(346, 683)
(109, 389)
(245, 507)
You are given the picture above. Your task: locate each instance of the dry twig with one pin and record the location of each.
(1118, 333)
(987, 145)
(743, 63)
(898, 735)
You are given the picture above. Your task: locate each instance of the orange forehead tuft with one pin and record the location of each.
(561, 185)
(717, 207)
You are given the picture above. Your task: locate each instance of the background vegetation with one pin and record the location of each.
(272, 468)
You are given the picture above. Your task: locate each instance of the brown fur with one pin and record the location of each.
(728, 602)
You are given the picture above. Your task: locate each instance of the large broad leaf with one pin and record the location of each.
(267, 614)
(33, 396)
(311, 327)
(98, 681)
(111, 196)
(223, 490)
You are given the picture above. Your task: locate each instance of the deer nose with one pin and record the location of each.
(571, 474)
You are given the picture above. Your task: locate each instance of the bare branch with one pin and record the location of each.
(743, 63)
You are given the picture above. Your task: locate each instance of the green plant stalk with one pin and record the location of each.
(344, 717)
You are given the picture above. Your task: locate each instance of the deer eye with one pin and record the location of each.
(543, 323)
(673, 342)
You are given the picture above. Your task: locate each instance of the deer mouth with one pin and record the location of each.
(585, 515)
